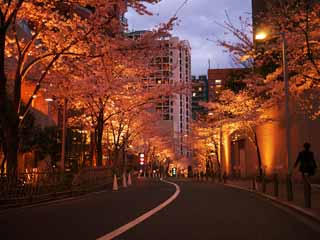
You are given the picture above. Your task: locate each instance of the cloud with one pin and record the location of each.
(197, 23)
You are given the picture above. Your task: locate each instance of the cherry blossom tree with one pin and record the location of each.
(244, 112)
(35, 36)
(205, 140)
(297, 21)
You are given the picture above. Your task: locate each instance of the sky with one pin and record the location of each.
(198, 24)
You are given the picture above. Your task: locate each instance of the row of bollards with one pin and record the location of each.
(289, 187)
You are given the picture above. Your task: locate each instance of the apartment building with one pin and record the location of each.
(199, 94)
(173, 66)
(219, 78)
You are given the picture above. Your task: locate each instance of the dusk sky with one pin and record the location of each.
(197, 24)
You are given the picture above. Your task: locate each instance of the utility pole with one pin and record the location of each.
(287, 116)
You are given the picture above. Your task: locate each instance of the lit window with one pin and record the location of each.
(218, 81)
(200, 89)
(194, 94)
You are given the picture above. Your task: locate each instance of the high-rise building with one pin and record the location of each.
(199, 94)
(219, 78)
(173, 66)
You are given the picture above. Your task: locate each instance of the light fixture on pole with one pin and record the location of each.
(263, 36)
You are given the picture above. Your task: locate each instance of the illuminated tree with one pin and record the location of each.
(37, 36)
(205, 140)
(243, 112)
(298, 21)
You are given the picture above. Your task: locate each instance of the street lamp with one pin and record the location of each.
(263, 36)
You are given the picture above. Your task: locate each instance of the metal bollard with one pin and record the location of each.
(264, 184)
(224, 177)
(275, 185)
(307, 192)
(289, 188)
(254, 187)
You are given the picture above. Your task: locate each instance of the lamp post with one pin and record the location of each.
(262, 36)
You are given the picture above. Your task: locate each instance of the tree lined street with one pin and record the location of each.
(89, 101)
(203, 210)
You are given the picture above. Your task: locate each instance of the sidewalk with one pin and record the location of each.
(298, 194)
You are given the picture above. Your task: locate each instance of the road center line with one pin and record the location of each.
(143, 217)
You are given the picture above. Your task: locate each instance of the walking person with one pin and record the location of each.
(307, 167)
(306, 162)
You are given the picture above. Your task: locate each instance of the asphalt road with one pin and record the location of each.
(201, 211)
(84, 218)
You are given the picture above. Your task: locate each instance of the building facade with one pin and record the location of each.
(176, 110)
(240, 154)
(199, 94)
(173, 66)
(220, 78)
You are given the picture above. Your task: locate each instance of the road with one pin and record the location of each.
(201, 211)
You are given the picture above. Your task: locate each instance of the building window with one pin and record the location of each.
(218, 82)
(166, 117)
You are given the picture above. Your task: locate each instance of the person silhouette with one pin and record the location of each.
(306, 162)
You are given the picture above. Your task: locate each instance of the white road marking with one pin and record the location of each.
(143, 217)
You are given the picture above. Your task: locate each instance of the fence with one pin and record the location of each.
(36, 186)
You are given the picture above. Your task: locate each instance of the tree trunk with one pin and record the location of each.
(11, 137)
(116, 159)
(99, 132)
(258, 154)
(218, 161)
(9, 119)
(3, 78)
(92, 147)
(4, 160)
(3, 81)
(124, 158)
(64, 135)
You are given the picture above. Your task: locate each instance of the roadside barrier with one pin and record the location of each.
(32, 187)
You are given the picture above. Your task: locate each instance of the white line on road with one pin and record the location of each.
(143, 217)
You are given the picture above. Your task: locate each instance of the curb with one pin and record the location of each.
(293, 207)
(316, 187)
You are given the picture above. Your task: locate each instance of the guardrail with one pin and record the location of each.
(32, 187)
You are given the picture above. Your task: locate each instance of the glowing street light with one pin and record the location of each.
(262, 36)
